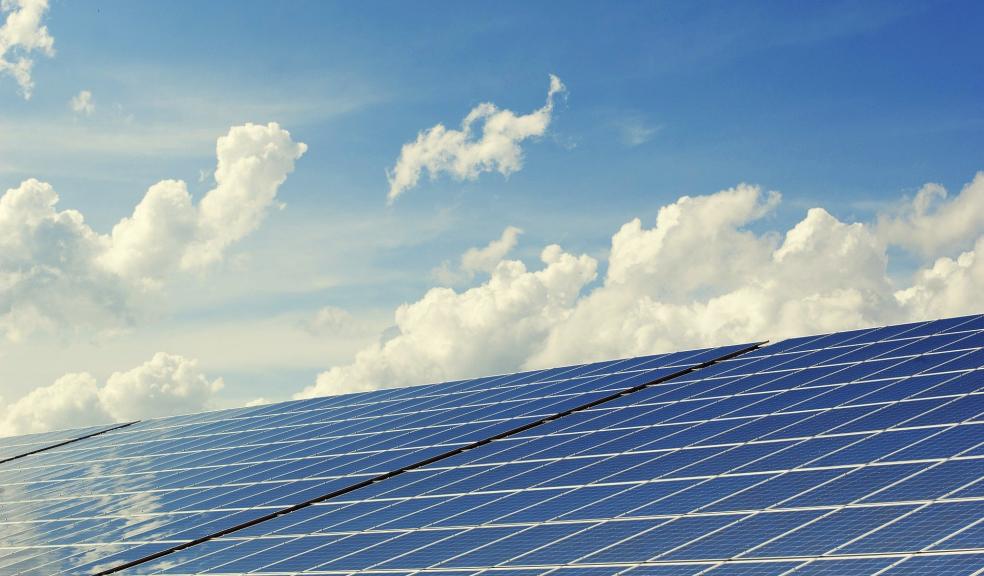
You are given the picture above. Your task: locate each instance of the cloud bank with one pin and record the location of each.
(57, 273)
(164, 385)
(22, 35)
(464, 155)
(479, 330)
(697, 277)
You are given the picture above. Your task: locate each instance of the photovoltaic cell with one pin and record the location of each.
(135, 491)
(851, 453)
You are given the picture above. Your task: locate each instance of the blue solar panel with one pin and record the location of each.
(850, 453)
(143, 489)
(15, 447)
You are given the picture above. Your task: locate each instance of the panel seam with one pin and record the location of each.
(66, 442)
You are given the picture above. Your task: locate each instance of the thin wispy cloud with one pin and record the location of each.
(634, 129)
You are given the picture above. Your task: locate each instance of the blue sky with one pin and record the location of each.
(846, 106)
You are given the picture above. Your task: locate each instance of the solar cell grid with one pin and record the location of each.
(14, 447)
(794, 456)
(129, 493)
(952, 565)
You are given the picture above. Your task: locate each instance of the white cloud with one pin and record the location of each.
(479, 330)
(164, 385)
(82, 103)
(929, 223)
(21, 35)
(699, 242)
(464, 156)
(487, 258)
(736, 287)
(56, 272)
(48, 272)
(699, 277)
(951, 286)
(476, 260)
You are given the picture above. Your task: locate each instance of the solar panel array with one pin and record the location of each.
(139, 490)
(853, 453)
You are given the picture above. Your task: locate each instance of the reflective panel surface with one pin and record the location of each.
(134, 491)
(852, 453)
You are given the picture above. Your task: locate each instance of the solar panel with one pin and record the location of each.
(137, 491)
(14, 447)
(852, 453)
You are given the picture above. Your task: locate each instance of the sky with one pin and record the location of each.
(204, 205)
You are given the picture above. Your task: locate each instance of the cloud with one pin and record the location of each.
(698, 242)
(478, 330)
(164, 385)
(951, 286)
(21, 35)
(476, 260)
(822, 275)
(82, 103)
(49, 276)
(463, 155)
(333, 321)
(699, 276)
(56, 272)
(487, 258)
(929, 223)
(634, 130)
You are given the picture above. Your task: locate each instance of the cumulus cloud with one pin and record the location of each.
(464, 155)
(949, 287)
(476, 260)
(21, 35)
(49, 275)
(82, 103)
(822, 275)
(699, 242)
(699, 276)
(55, 271)
(164, 385)
(930, 223)
(479, 330)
